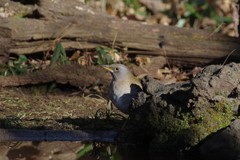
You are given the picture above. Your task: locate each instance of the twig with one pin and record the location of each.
(228, 57)
(114, 40)
(216, 30)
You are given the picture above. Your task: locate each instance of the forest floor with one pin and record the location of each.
(33, 107)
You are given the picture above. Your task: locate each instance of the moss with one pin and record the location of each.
(213, 117)
(194, 134)
(184, 129)
(167, 130)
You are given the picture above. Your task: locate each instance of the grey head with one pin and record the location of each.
(118, 71)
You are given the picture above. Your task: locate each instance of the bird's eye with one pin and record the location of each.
(116, 69)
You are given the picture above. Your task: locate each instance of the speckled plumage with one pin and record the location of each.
(124, 86)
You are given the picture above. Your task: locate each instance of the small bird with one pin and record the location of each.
(124, 87)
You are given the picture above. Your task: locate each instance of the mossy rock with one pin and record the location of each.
(179, 117)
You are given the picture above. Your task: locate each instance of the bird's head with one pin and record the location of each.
(118, 71)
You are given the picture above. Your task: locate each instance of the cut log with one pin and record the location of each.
(80, 27)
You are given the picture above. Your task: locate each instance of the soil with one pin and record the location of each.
(39, 150)
(34, 107)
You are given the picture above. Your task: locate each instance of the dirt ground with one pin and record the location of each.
(70, 151)
(33, 107)
(39, 150)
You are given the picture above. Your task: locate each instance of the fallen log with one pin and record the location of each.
(80, 27)
(73, 74)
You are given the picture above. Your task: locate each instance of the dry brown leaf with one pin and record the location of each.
(75, 56)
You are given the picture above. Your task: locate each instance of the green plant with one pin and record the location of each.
(87, 149)
(98, 150)
(139, 9)
(197, 10)
(132, 3)
(15, 67)
(104, 55)
(59, 55)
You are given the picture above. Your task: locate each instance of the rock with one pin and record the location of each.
(179, 116)
(217, 79)
(224, 144)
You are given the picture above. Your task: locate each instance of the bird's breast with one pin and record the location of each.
(121, 94)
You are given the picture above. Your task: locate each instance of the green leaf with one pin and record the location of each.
(84, 151)
(22, 59)
(132, 3)
(103, 56)
(16, 67)
(192, 10)
(59, 55)
(56, 54)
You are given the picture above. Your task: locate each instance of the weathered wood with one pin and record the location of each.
(79, 27)
(73, 74)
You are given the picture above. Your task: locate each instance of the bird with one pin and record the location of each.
(123, 88)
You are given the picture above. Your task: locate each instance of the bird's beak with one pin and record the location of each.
(107, 68)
